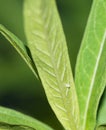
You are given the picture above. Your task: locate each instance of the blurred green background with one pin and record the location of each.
(19, 89)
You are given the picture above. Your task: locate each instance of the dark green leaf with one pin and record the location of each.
(101, 119)
(20, 47)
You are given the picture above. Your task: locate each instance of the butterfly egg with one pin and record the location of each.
(67, 85)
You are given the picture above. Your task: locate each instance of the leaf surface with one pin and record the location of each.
(101, 119)
(91, 66)
(101, 128)
(19, 46)
(12, 120)
(5, 126)
(49, 51)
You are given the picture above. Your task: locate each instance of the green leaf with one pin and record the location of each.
(4, 126)
(19, 46)
(49, 51)
(91, 66)
(101, 128)
(10, 119)
(101, 119)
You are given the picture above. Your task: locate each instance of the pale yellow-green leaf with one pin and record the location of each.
(49, 51)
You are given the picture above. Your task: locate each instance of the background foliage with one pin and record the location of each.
(18, 87)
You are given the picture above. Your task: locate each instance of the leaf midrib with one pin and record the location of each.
(93, 78)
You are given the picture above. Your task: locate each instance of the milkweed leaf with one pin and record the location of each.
(5, 126)
(101, 118)
(101, 128)
(91, 66)
(13, 120)
(19, 46)
(47, 44)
